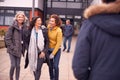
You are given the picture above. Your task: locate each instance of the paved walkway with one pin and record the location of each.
(25, 74)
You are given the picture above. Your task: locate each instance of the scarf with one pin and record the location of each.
(33, 45)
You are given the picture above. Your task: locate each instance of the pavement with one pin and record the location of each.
(65, 69)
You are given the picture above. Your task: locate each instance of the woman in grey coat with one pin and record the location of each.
(15, 42)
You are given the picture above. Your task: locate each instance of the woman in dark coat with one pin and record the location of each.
(15, 42)
(97, 52)
(38, 47)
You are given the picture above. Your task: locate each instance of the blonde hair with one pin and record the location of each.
(21, 13)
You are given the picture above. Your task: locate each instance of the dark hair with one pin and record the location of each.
(108, 1)
(58, 21)
(32, 23)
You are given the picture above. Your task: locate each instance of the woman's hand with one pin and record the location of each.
(51, 56)
(42, 55)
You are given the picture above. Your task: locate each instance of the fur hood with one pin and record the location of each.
(113, 7)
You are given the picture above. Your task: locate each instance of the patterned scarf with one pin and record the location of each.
(33, 45)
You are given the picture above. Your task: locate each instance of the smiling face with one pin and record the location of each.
(38, 22)
(20, 18)
(52, 22)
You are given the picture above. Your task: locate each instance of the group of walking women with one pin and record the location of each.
(42, 44)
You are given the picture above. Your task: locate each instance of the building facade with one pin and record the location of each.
(66, 9)
(8, 9)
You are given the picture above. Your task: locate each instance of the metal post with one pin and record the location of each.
(44, 12)
(33, 7)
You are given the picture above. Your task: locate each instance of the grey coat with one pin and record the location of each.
(13, 39)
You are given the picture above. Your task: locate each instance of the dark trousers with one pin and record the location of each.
(40, 62)
(37, 73)
(15, 64)
(54, 71)
(69, 39)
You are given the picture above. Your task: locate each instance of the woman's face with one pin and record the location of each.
(52, 22)
(20, 18)
(38, 22)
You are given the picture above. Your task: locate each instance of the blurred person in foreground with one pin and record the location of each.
(97, 52)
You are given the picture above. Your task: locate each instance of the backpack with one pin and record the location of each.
(5, 36)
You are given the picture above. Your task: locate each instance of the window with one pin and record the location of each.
(55, 0)
(85, 5)
(78, 17)
(62, 16)
(58, 5)
(74, 5)
(48, 4)
(78, 0)
(1, 20)
(27, 14)
(62, 0)
(7, 16)
(1, 17)
(10, 11)
(69, 16)
(1, 11)
(71, 0)
(8, 20)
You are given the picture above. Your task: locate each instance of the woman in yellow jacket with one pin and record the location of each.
(55, 40)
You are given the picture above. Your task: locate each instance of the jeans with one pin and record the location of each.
(54, 71)
(69, 42)
(15, 64)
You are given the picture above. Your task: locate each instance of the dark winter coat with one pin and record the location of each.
(13, 39)
(68, 30)
(45, 50)
(46, 41)
(97, 52)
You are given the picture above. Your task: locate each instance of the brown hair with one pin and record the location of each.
(58, 21)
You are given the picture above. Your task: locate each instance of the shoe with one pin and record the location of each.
(64, 49)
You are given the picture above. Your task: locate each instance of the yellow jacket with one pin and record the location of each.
(55, 38)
